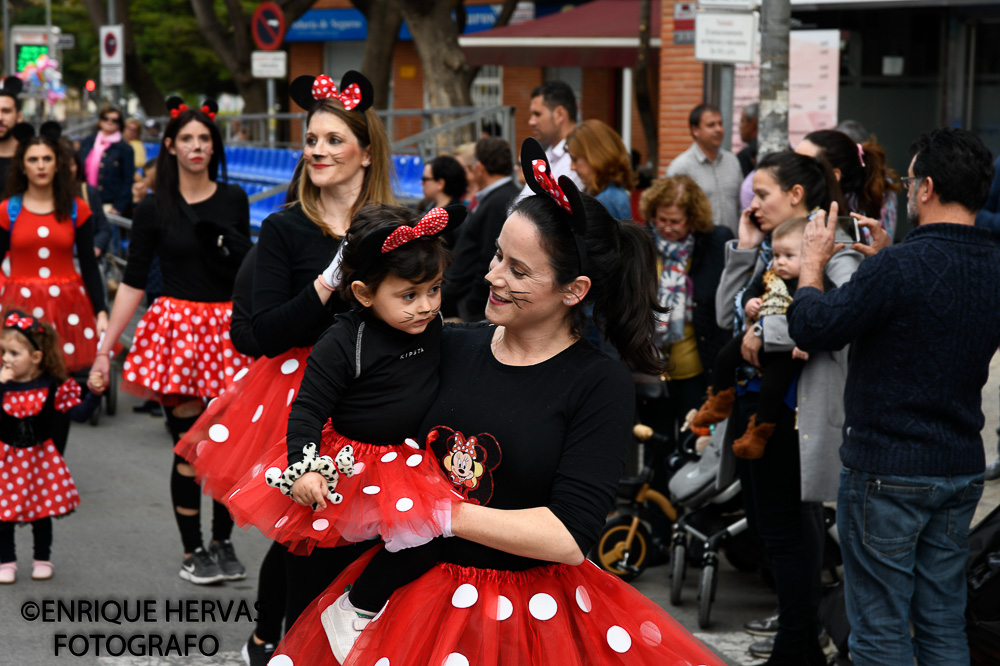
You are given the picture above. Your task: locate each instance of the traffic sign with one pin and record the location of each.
(112, 55)
(268, 26)
(269, 64)
(67, 41)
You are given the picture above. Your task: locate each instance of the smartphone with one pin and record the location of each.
(850, 226)
(753, 218)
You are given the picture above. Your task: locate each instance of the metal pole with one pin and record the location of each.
(773, 115)
(48, 13)
(727, 82)
(112, 91)
(7, 46)
(270, 112)
(627, 109)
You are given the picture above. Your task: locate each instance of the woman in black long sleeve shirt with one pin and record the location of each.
(181, 353)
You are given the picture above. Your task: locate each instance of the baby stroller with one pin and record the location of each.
(709, 489)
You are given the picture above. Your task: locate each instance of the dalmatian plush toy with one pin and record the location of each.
(329, 468)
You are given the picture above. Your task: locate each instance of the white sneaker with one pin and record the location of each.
(343, 626)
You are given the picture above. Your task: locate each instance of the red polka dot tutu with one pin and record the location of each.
(396, 489)
(34, 483)
(61, 301)
(182, 350)
(555, 614)
(244, 422)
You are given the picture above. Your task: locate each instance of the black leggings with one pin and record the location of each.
(271, 590)
(792, 532)
(41, 530)
(309, 575)
(387, 572)
(778, 369)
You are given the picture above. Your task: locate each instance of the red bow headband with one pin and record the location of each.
(177, 106)
(355, 92)
(540, 168)
(25, 324)
(463, 445)
(364, 253)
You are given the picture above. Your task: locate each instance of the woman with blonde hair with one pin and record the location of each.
(691, 256)
(602, 163)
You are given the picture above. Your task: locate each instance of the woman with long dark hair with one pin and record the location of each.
(785, 488)
(345, 165)
(181, 354)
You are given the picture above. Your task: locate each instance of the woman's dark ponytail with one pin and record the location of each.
(814, 174)
(621, 263)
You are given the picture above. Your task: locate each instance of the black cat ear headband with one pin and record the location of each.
(386, 239)
(50, 129)
(177, 106)
(538, 176)
(355, 92)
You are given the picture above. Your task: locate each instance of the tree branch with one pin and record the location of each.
(214, 34)
(242, 40)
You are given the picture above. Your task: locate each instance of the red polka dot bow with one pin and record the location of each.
(430, 224)
(178, 110)
(540, 169)
(462, 445)
(324, 88)
(21, 321)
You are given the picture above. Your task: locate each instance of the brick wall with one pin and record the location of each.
(408, 88)
(518, 82)
(680, 90)
(303, 58)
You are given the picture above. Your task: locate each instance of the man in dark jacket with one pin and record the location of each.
(464, 286)
(923, 321)
(112, 170)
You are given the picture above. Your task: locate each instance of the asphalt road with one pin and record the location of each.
(122, 547)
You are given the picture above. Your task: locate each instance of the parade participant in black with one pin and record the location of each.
(89, 193)
(345, 165)
(35, 394)
(10, 115)
(181, 354)
(533, 425)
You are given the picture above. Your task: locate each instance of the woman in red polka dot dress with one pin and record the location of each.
(532, 425)
(40, 224)
(35, 394)
(181, 354)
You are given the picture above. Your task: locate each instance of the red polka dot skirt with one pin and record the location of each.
(182, 350)
(396, 489)
(61, 301)
(244, 422)
(34, 484)
(555, 614)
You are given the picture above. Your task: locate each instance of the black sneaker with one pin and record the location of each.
(257, 655)
(767, 626)
(225, 556)
(762, 649)
(201, 569)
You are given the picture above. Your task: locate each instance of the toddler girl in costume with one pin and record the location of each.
(769, 295)
(36, 395)
(373, 375)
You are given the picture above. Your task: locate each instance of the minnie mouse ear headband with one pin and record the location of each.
(538, 176)
(12, 87)
(50, 129)
(381, 241)
(355, 93)
(177, 106)
(25, 324)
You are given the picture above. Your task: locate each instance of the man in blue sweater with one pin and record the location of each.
(923, 319)
(988, 217)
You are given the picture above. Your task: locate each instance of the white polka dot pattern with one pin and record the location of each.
(542, 606)
(619, 640)
(465, 596)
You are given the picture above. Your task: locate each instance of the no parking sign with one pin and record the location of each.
(268, 26)
(112, 55)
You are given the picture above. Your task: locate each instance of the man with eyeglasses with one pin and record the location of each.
(923, 321)
(109, 162)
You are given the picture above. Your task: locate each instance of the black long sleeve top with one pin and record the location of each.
(287, 311)
(190, 271)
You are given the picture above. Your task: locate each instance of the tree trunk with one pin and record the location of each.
(447, 75)
(642, 96)
(773, 133)
(136, 76)
(384, 20)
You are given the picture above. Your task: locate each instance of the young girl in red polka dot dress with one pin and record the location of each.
(35, 484)
(40, 225)
(347, 470)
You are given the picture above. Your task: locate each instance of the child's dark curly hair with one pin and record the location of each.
(418, 260)
(46, 341)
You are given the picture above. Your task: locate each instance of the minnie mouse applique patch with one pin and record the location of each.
(467, 462)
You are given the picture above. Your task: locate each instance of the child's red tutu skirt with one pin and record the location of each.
(396, 489)
(62, 301)
(34, 484)
(240, 425)
(555, 614)
(182, 351)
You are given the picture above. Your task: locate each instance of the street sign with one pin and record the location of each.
(269, 64)
(67, 41)
(745, 5)
(684, 15)
(725, 37)
(112, 55)
(268, 26)
(28, 42)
